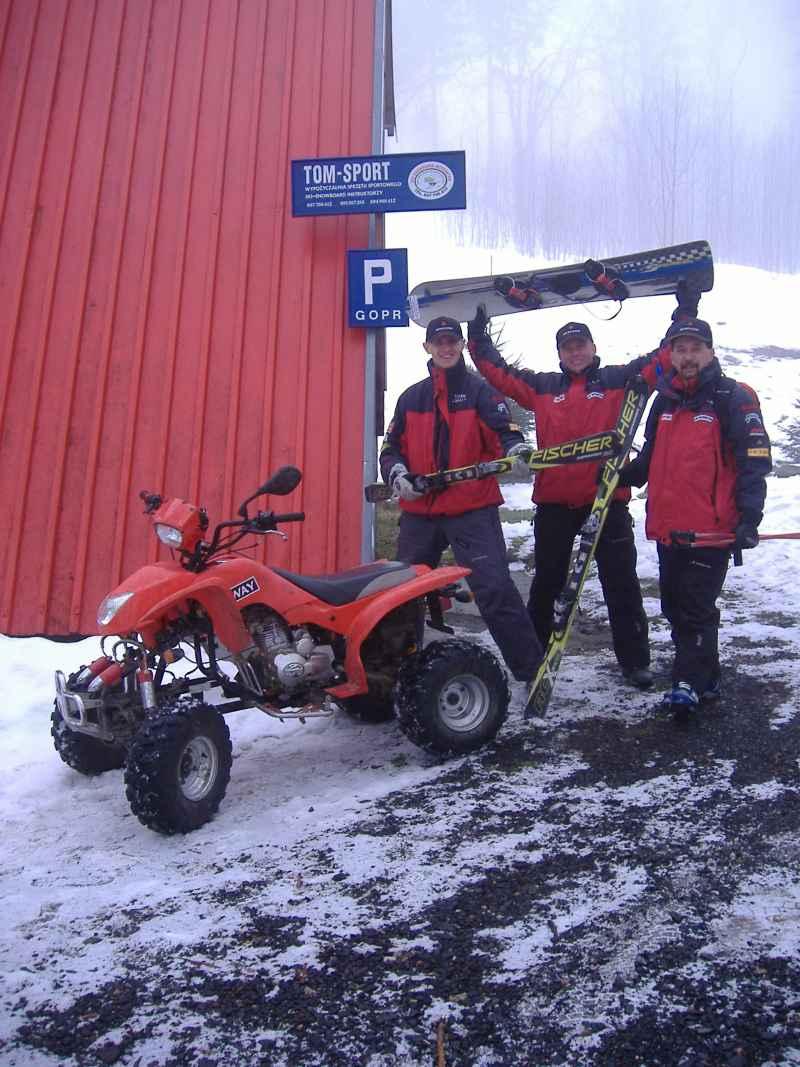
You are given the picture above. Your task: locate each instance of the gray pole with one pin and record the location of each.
(369, 466)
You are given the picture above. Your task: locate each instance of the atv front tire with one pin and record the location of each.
(451, 697)
(86, 755)
(178, 768)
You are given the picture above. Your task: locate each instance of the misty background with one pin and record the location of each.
(603, 128)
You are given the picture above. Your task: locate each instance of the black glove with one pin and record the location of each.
(625, 477)
(479, 326)
(688, 298)
(746, 535)
(623, 480)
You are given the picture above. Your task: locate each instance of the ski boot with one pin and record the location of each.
(681, 700)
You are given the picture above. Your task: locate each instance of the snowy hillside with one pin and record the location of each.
(596, 888)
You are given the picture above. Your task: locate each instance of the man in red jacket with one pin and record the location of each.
(453, 418)
(705, 456)
(580, 398)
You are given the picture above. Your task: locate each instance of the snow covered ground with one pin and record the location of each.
(599, 887)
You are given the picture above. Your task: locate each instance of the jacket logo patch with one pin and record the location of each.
(459, 398)
(703, 418)
(501, 407)
(595, 396)
(666, 417)
(758, 453)
(245, 588)
(559, 398)
(753, 416)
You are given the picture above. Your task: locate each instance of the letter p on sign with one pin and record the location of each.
(376, 272)
(377, 287)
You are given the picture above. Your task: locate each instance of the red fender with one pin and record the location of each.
(369, 618)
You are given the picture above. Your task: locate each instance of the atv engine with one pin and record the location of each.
(286, 659)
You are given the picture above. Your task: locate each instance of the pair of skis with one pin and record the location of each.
(590, 449)
(633, 407)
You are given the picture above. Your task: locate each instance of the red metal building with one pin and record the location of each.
(164, 321)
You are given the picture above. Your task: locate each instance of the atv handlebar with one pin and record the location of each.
(266, 521)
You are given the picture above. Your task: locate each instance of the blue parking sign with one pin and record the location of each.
(377, 287)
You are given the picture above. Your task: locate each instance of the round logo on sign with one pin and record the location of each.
(431, 180)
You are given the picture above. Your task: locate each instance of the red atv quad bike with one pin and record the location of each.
(297, 646)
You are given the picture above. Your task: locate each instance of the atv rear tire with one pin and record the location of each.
(178, 768)
(452, 697)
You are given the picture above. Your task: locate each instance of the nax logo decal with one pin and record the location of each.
(753, 416)
(245, 588)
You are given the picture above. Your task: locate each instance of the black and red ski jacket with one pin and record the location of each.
(567, 406)
(706, 454)
(450, 419)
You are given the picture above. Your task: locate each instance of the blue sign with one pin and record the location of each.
(377, 287)
(356, 185)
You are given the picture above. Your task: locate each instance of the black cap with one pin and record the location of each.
(573, 329)
(690, 328)
(442, 325)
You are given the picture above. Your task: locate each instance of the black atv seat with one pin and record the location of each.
(351, 585)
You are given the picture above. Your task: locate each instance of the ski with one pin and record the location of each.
(594, 447)
(654, 273)
(633, 406)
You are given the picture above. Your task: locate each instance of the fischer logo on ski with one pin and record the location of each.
(583, 449)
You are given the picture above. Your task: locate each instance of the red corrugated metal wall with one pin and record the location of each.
(164, 321)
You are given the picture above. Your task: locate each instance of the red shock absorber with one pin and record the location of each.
(147, 691)
(96, 667)
(108, 678)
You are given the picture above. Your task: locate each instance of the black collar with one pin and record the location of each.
(454, 376)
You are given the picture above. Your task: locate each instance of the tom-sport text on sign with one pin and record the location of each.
(377, 287)
(355, 185)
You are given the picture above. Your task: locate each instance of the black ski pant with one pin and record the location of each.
(555, 527)
(476, 539)
(691, 579)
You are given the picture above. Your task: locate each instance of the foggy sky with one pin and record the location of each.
(617, 126)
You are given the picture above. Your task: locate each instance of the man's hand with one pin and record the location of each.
(520, 454)
(746, 535)
(402, 483)
(688, 298)
(479, 326)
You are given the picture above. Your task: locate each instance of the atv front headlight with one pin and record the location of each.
(169, 535)
(110, 606)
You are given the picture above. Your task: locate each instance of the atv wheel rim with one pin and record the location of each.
(464, 703)
(198, 768)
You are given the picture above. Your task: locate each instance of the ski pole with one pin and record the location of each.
(689, 538)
